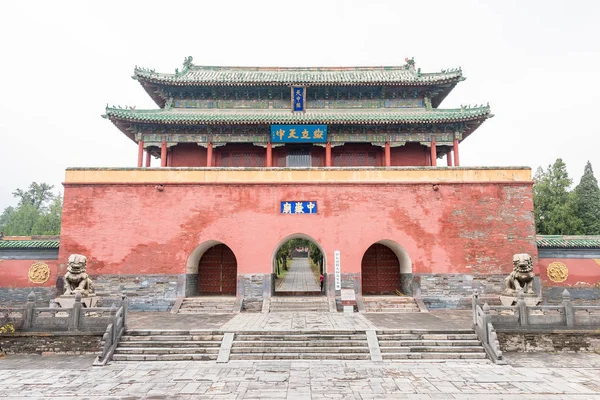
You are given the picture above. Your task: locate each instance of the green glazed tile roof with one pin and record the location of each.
(29, 244)
(568, 242)
(204, 75)
(202, 116)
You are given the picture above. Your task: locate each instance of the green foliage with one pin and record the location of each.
(555, 207)
(588, 201)
(286, 249)
(38, 212)
(8, 328)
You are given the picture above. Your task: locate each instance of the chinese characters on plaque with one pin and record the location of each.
(298, 133)
(298, 98)
(298, 207)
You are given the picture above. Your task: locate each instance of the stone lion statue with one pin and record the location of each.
(76, 279)
(522, 276)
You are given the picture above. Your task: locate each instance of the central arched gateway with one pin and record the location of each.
(217, 271)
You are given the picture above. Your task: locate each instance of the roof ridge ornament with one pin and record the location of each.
(187, 63)
(410, 63)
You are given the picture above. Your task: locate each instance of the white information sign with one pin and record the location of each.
(337, 270)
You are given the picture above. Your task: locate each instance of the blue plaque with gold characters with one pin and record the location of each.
(298, 133)
(298, 207)
(298, 98)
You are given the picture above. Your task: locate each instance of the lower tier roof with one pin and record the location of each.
(185, 116)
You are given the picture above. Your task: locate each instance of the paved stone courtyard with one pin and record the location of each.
(528, 376)
(541, 376)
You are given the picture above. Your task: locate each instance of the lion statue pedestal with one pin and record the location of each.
(521, 279)
(77, 281)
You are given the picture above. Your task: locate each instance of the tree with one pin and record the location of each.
(49, 223)
(37, 195)
(588, 201)
(38, 212)
(554, 205)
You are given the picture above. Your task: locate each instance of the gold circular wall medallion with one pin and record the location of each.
(557, 272)
(39, 273)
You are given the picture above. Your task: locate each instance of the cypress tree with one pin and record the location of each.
(588, 201)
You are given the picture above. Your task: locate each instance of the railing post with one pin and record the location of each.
(54, 307)
(76, 312)
(474, 301)
(30, 310)
(125, 304)
(569, 314)
(486, 319)
(113, 317)
(523, 313)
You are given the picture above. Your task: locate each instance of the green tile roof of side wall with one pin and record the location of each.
(200, 116)
(196, 75)
(29, 244)
(567, 242)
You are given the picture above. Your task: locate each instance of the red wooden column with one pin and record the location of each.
(209, 154)
(388, 157)
(328, 154)
(163, 154)
(449, 159)
(269, 155)
(433, 153)
(140, 153)
(147, 158)
(456, 161)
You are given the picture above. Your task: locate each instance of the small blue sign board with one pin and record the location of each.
(298, 207)
(298, 98)
(298, 133)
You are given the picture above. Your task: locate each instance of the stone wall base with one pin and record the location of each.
(550, 341)
(55, 342)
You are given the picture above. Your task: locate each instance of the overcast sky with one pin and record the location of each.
(536, 63)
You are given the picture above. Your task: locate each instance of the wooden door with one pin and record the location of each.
(217, 271)
(380, 271)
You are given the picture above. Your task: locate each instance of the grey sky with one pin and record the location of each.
(535, 62)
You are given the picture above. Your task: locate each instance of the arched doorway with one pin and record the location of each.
(385, 269)
(217, 271)
(299, 267)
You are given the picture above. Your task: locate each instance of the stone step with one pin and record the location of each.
(432, 349)
(299, 343)
(313, 332)
(164, 357)
(423, 331)
(300, 356)
(166, 350)
(173, 343)
(433, 356)
(300, 350)
(174, 332)
(428, 336)
(408, 343)
(393, 310)
(288, 337)
(172, 338)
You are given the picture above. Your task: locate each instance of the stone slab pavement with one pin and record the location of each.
(449, 319)
(531, 376)
(299, 278)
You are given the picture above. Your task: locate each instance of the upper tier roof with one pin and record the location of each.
(196, 75)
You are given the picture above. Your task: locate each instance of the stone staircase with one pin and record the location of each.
(456, 344)
(391, 304)
(168, 345)
(207, 304)
(306, 345)
(299, 304)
